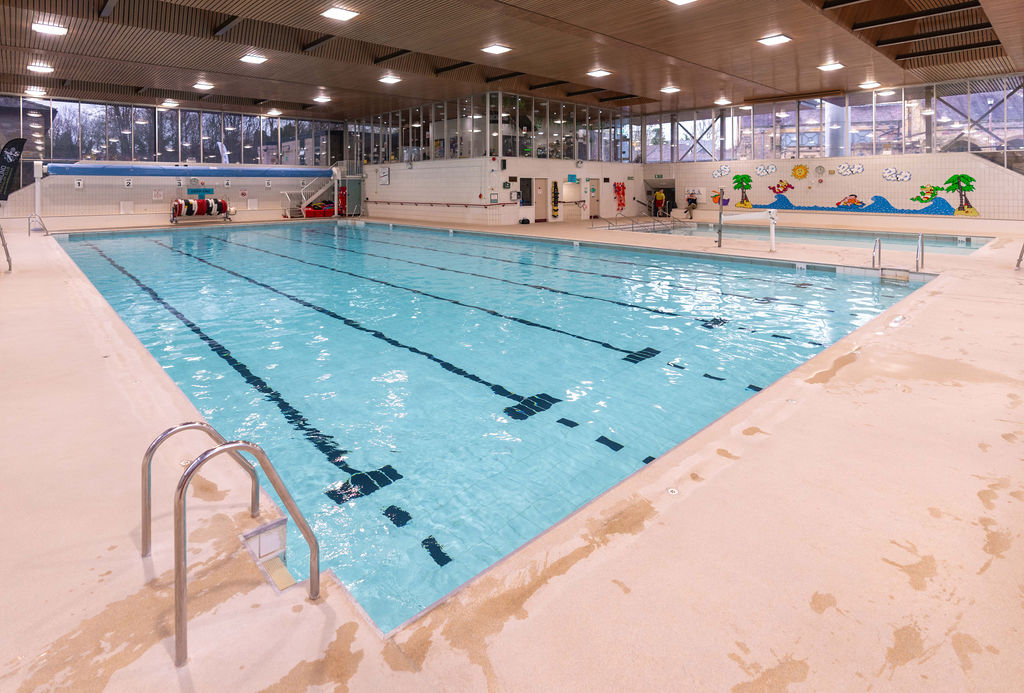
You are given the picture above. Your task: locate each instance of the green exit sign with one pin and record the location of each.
(658, 175)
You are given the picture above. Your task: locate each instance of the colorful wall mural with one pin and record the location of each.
(871, 186)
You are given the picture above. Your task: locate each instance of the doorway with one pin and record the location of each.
(540, 199)
(595, 198)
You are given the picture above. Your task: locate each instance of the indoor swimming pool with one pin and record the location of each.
(434, 401)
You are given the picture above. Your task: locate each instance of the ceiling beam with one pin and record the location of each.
(833, 4)
(923, 14)
(390, 56)
(507, 75)
(944, 51)
(911, 38)
(140, 91)
(204, 97)
(618, 98)
(456, 66)
(259, 102)
(313, 44)
(225, 27)
(584, 91)
(545, 85)
(108, 8)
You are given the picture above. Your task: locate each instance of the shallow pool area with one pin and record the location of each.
(433, 402)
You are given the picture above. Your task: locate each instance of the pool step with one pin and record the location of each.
(267, 545)
(895, 275)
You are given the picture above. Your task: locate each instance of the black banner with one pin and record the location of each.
(10, 155)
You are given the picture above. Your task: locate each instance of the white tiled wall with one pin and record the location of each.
(998, 193)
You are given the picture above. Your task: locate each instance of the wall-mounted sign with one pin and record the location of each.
(384, 176)
(127, 182)
(158, 194)
(227, 183)
(659, 175)
(243, 193)
(180, 183)
(572, 177)
(79, 183)
(629, 177)
(506, 185)
(494, 198)
(200, 191)
(268, 183)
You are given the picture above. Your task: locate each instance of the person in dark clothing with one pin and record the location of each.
(691, 203)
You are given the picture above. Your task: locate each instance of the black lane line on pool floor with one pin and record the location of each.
(460, 241)
(705, 322)
(360, 484)
(524, 408)
(579, 271)
(631, 356)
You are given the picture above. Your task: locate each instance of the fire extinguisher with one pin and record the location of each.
(342, 201)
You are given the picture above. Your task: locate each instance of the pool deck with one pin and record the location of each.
(855, 526)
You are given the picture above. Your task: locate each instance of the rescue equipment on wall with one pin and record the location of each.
(620, 196)
(554, 199)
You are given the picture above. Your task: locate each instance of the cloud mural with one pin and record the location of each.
(891, 173)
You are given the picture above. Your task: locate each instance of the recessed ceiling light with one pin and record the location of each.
(599, 72)
(34, 114)
(774, 40)
(114, 139)
(186, 144)
(39, 67)
(746, 108)
(52, 29)
(229, 128)
(126, 132)
(828, 67)
(476, 131)
(723, 101)
(669, 90)
(142, 122)
(417, 125)
(681, 2)
(248, 146)
(273, 112)
(886, 92)
(323, 98)
(496, 49)
(339, 13)
(202, 86)
(928, 111)
(494, 134)
(480, 116)
(254, 59)
(390, 79)
(34, 125)
(944, 119)
(504, 115)
(169, 103)
(868, 85)
(35, 91)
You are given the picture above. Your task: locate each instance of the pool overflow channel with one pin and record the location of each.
(362, 483)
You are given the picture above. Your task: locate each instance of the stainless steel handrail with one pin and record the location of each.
(876, 253)
(147, 463)
(180, 577)
(721, 207)
(10, 267)
(919, 256)
(1019, 257)
(42, 226)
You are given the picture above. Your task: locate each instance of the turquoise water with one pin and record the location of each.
(432, 402)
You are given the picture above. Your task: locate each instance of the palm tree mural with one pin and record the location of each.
(743, 183)
(962, 183)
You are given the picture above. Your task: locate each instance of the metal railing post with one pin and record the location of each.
(876, 253)
(180, 567)
(147, 463)
(919, 258)
(721, 205)
(1019, 257)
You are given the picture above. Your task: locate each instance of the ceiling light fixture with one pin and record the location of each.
(835, 126)
(202, 86)
(34, 125)
(323, 98)
(886, 92)
(723, 101)
(339, 13)
(34, 114)
(669, 90)
(390, 79)
(35, 91)
(169, 103)
(599, 72)
(774, 40)
(496, 49)
(417, 125)
(928, 112)
(746, 108)
(39, 67)
(142, 122)
(868, 85)
(52, 29)
(229, 128)
(273, 112)
(127, 131)
(253, 59)
(829, 67)
(681, 2)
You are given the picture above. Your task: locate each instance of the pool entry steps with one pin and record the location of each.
(232, 449)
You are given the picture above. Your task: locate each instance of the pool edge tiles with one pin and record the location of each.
(597, 436)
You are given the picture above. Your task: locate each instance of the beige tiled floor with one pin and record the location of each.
(855, 526)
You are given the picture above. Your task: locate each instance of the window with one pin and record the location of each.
(918, 117)
(269, 129)
(94, 131)
(951, 122)
(833, 111)
(232, 125)
(987, 116)
(64, 130)
(889, 121)
(251, 140)
(861, 123)
(289, 143)
(811, 143)
(190, 136)
(35, 128)
(167, 131)
(786, 129)
(119, 133)
(144, 133)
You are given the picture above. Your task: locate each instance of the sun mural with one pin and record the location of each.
(800, 171)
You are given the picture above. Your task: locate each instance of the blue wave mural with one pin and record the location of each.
(878, 205)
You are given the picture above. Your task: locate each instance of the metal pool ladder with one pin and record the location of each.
(41, 227)
(234, 450)
(10, 267)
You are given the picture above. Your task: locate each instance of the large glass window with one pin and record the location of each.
(167, 131)
(35, 128)
(289, 143)
(94, 131)
(833, 111)
(269, 129)
(119, 133)
(144, 133)
(987, 115)
(680, 139)
(787, 129)
(251, 140)
(232, 125)
(889, 121)
(304, 142)
(1015, 114)
(918, 117)
(811, 142)
(190, 136)
(861, 123)
(64, 130)
(952, 124)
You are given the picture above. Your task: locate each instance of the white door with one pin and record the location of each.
(540, 199)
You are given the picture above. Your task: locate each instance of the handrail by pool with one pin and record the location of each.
(1019, 257)
(443, 204)
(876, 253)
(180, 577)
(919, 256)
(147, 463)
(10, 267)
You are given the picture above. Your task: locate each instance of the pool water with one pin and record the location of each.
(432, 402)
